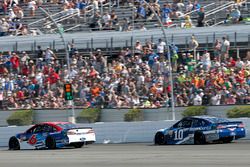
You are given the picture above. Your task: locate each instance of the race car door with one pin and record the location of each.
(181, 132)
(34, 135)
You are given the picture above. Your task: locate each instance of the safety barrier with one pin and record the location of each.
(115, 132)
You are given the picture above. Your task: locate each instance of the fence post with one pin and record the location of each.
(152, 38)
(107, 45)
(126, 43)
(207, 42)
(54, 44)
(214, 37)
(235, 39)
(88, 46)
(186, 42)
(172, 38)
(111, 46)
(91, 44)
(248, 40)
(16, 47)
(34, 45)
(132, 41)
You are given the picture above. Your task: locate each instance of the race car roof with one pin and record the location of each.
(55, 123)
(211, 118)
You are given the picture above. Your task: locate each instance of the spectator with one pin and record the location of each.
(188, 22)
(166, 11)
(106, 18)
(193, 45)
(201, 17)
(235, 15)
(114, 17)
(161, 47)
(225, 46)
(206, 60)
(189, 6)
(32, 7)
(96, 21)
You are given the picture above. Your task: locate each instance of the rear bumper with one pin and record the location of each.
(237, 133)
(81, 138)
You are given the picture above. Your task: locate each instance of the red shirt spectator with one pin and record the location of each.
(14, 61)
(20, 95)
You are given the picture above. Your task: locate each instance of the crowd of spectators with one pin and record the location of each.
(13, 11)
(137, 77)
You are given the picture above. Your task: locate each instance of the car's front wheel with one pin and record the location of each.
(14, 144)
(50, 143)
(199, 138)
(160, 138)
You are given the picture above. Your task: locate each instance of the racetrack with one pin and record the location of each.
(124, 155)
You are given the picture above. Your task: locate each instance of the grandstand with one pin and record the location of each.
(113, 68)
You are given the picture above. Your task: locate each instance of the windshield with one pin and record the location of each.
(67, 126)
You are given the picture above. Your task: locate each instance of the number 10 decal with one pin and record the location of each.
(178, 135)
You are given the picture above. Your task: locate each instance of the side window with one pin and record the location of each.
(186, 123)
(48, 128)
(199, 123)
(31, 130)
(38, 129)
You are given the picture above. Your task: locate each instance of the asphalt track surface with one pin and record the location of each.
(235, 154)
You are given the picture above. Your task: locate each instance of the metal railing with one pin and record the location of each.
(193, 11)
(219, 8)
(224, 7)
(111, 43)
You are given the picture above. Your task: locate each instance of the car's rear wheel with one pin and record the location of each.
(50, 143)
(14, 144)
(199, 138)
(160, 138)
(78, 145)
(228, 140)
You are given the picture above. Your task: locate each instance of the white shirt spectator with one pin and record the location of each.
(215, 100)
(12, 15)
(140, 80)
(197, 100)
(160, 47)
(32, 5)
(49, 54)
(106, 17)
(225, 46)
(239, 64)
(95, 5)
(39, 78)
(189, 6)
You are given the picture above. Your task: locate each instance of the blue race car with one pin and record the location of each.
(52, 135)
(200, 130)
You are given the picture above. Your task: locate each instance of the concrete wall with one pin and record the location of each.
(114, 132)
(114, 115)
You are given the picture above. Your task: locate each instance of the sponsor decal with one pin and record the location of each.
(32, 140)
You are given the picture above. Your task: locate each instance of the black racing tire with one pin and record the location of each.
(14, 143)
(199, 138)
(160, 138)
(78, 145)
(228, 140)
(50, 143)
